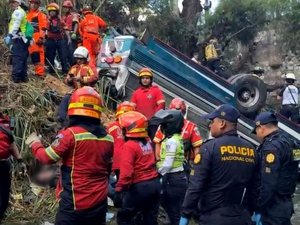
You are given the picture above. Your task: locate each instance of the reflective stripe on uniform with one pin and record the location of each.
(52, 154)
(111, 129)
(160, 101)
(89, 136)
(197, 143)
(83, 105)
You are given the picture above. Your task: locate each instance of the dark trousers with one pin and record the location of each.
(63, 109)
(279, 213)
(290, 112)
(174, 186)
(230, 215)
(93, 216)
(70, 50)
(214, 65)
(5, 181)
(53, 46)
(143, 199)
(19, 60)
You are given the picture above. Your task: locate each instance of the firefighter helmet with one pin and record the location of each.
(68, 4)
(178, 104)
(87, 9)
(52, 7)
(85, 101)
(124, 107)
(81, 53)
(145, 72)
(134, 124)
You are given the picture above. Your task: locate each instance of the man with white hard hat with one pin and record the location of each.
(289, 95)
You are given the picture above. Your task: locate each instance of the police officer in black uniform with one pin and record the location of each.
(222, 177)
(278, 171)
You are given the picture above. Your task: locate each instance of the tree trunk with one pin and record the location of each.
(191, 10)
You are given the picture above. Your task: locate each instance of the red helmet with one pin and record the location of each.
(53, 7)
(124, 107)
(178, 104)
(134, 123)
(35, 1)
(85, 101)
(145, 72)
(68, 4)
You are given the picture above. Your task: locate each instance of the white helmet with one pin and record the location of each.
(81, 52)
(290, 76)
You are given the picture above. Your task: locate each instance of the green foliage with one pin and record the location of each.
(236, 19)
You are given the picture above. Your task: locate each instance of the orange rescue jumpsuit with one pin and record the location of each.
(89, 30)
(36, 50)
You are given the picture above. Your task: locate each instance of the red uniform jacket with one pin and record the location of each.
(70, 19)
(137, 165)
(148, 100)
(84, 173)
(5, 142)
(115, 131)
(189, 132)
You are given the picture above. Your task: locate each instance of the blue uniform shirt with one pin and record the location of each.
(223, 174)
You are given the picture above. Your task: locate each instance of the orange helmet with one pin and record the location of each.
(53, 7)
(68, 4)
(85, 101)
(145, 72)
(134, 123)
(178, 104)
(87, 9)
(124, 107)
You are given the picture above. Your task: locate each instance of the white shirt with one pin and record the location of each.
(290, 95)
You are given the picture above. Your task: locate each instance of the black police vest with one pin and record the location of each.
(288, 174)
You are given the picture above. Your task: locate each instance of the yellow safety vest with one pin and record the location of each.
(12, 22)
(179, 154)
(210, 52)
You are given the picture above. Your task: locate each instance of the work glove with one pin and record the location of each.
(184, 221)
(73, 36)
(8, 40)
(32, 138)
(21, 167)
(40, 41)
(118, 199)
(256, 217)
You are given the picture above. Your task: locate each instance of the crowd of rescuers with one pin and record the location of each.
(159, 158)
(45, 34)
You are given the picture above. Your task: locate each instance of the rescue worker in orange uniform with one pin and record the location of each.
(37, 51)
(85, 150)
(71, 20)
(190, 133)
(8, 147)
(148, 98)
(138, 188)
(89, 29)
(115, 131)
(79, 75)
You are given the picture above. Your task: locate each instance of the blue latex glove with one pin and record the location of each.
(256, 217)
(184, 221)
(8, 40)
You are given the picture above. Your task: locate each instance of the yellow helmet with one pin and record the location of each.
(145, 72)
